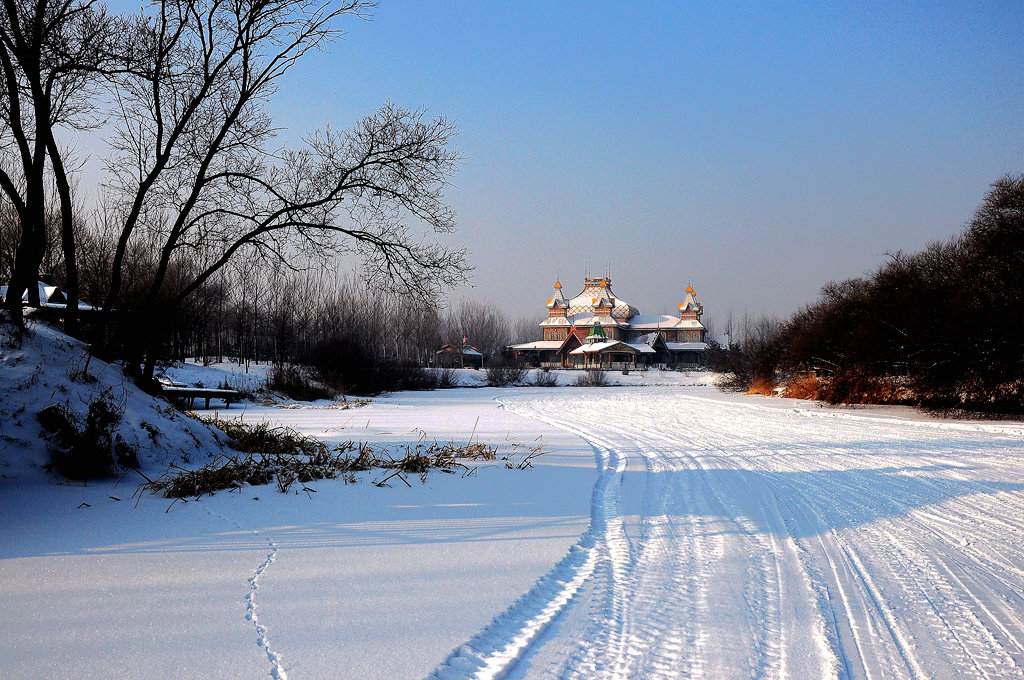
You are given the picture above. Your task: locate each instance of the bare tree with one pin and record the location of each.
(195, 165)
(483, 324)
(525, 329)
(50, 54)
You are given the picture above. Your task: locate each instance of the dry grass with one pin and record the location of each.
(802, 386)
(285, 457)
(762, 386)
(857, 388)
(592, 377)
(543, 378)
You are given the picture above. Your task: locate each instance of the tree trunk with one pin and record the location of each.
(67, 238)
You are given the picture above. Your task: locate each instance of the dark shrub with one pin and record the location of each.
(296, 382)
(502, 373)
(446, 378)
(347, 366)
(92, 451)
(542, 378)
(593, 377)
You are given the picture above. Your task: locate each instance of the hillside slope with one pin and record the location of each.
(42, 367)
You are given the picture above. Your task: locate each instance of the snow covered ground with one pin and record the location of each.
(250, 377)
(734, 537)
(669, 532)
(637, 378)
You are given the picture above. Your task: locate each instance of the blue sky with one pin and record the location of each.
(757, 149)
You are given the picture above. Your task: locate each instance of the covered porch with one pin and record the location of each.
(611, 355)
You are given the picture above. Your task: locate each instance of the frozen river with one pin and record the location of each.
(734, 540)
(669, 532)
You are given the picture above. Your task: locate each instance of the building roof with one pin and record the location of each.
(537, 346)
(663, 321)
(49, 296)
(557, 299)
(613, 346)
(597, 293)
(583, 319)
(686, 346)
(468, 350)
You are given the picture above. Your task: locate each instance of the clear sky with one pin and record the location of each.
(756, 149)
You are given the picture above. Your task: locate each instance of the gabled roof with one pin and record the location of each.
(613, 346)
(597, 293)
(47, 295)
(537, 346)
(651, 339)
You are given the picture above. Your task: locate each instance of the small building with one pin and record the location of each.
(597, 351)
(466, 356)
(49, 296)
(598, 329)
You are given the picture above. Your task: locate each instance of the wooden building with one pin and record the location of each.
(598, 329)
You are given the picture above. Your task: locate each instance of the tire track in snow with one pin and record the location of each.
(663, 621)
(971, 629)
(762, 587)
(785, 544)
(493, 653)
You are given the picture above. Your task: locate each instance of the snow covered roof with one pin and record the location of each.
(690, 303)
(557, 299)
(584, 319)
(49, 296)
(537, 346)
(613, 345)
(649, 339)
(686, 346)
(468, 350)
(663, 321)
(597, 293)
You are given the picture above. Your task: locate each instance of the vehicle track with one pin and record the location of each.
(775, 543)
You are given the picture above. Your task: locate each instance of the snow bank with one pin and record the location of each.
(43, 366)
(364, 581)
(468, 377)
(251, 377)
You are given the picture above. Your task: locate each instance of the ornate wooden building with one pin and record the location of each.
(598, 329)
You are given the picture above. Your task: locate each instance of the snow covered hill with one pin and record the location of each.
(43, 367)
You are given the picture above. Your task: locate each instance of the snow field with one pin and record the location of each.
(774, 544)
(720, 536)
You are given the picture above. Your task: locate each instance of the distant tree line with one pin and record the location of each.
(354, 334)
(942, 328)
(347, 334)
